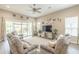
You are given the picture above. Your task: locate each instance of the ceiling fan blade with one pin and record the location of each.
(34, 4)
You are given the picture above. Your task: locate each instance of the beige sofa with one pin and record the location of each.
(60, 47)
(18, 46)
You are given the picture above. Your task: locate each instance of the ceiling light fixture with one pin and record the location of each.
(35, 9)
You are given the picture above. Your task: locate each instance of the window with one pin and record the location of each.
(71, 26)
(29, 28)
(20, 27)
(9, 27)
(38, 26)
(17, 28)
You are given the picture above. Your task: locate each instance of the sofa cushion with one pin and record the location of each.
(52, 44)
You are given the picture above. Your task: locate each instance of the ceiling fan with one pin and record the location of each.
(35, 9)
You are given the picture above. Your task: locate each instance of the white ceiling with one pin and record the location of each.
(25, 8)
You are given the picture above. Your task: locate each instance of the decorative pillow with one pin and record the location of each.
(60, 37)
(9, 35)
(52, 44)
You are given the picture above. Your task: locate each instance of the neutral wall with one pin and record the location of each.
(73, 11)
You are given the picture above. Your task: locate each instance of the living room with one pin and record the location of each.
(39, 29)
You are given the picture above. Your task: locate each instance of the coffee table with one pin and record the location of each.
(39, 51)
(38, 41)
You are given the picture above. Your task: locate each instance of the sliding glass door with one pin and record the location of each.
(17, 28)
(29, 29)
(22, 28)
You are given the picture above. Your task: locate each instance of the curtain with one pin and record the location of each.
(2, 29)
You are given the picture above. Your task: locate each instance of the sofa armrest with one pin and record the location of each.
(50, 49)
(30, 48)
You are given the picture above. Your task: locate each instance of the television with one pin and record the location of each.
(47, 28)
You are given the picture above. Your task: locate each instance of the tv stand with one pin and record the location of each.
(47, 35)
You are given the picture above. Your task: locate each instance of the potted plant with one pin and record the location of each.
(40, 31)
